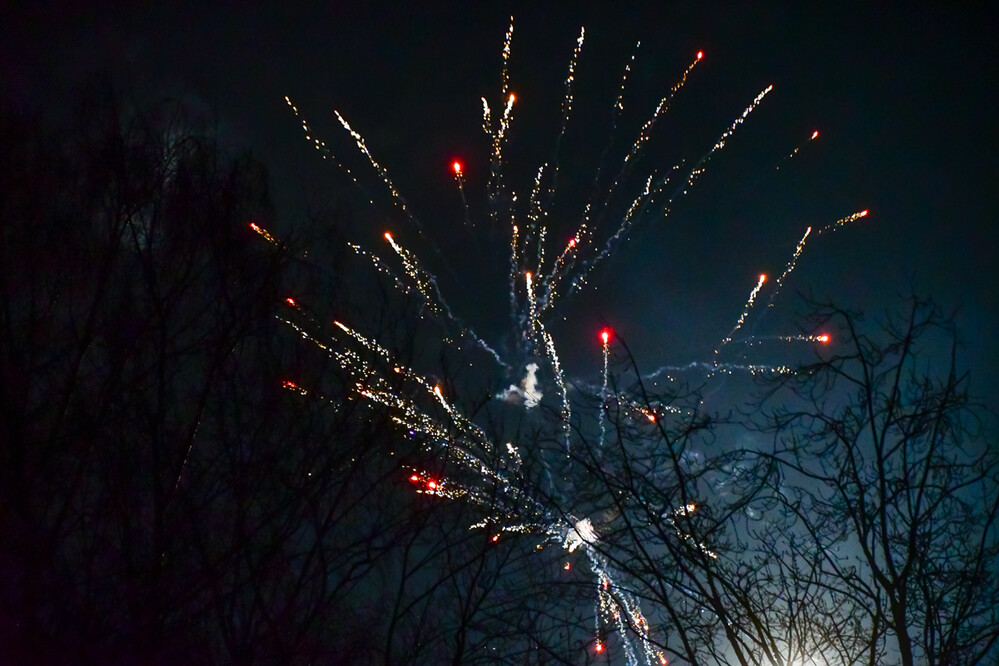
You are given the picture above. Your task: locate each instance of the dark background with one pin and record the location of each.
(902, 95)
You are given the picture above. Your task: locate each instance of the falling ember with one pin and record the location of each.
(605, 335)
(292, 386)
(844, 221)
(790, 265)
(263, 232)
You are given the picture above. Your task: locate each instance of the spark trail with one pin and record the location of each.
(536, 284)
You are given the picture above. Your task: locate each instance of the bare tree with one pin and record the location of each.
(862, 530)
(164, 498)
(893, 487)
(684, 515)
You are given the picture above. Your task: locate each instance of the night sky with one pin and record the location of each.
(902, 98)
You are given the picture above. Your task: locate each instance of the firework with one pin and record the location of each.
(536, 284)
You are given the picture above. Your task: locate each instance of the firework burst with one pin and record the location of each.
(541, 276)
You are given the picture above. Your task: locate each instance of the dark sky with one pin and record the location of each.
(903, 98)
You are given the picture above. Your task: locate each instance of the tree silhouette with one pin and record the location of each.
(863, 532)
(889, 475)
(168, 493)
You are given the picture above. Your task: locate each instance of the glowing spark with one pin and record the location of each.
(362, 146)
(814, 135)
(292, 386)
(835, 226)
(742, 318)
(790, 266)
(605, 339)
(263, 232)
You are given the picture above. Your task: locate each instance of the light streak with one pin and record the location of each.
(840, 223)
(814, 135)
(263, 232)
(789, 267)
(746, 310)
(605, 335)
(382, 171)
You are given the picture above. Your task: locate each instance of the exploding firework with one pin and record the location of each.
(542, 275)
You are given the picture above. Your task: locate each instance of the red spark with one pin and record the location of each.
(431, 485)
(763, 278)
(495, 538)
(605, 335)
(254, 226)
(567, 566)
(863, 213)
(700, 54)
(290, 301)
(456, 165)
(823, 338)
(815, 134)
(599, 647)
(388, 236)
(415, 478)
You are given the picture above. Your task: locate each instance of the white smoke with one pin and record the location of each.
(527, 393)
(580, 533)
